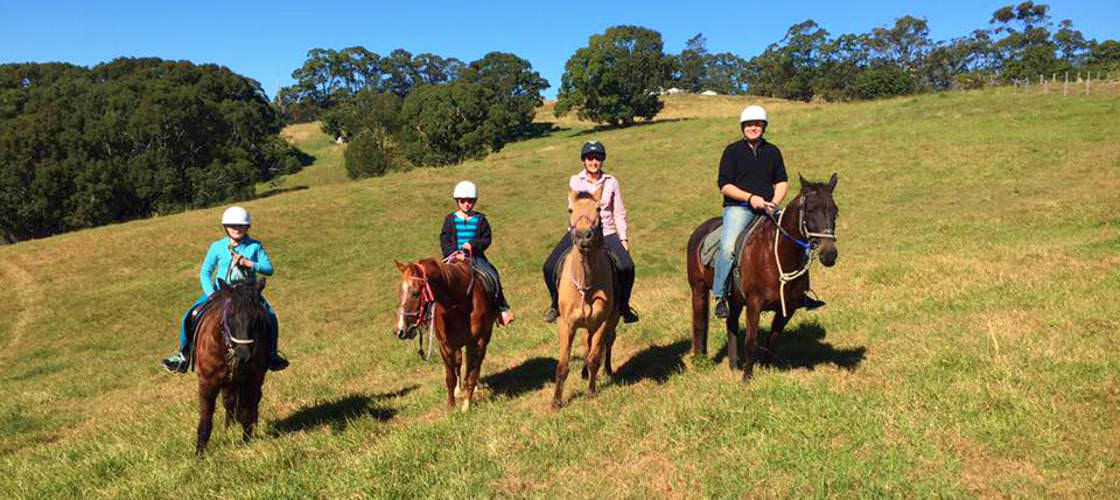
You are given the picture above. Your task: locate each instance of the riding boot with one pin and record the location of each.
(177, 363)
(810, 303)
(721, 307)
(275, 361)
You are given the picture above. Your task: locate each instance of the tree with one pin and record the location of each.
(693, 64)
(615, 79)
(83, 147)
(904, 45)
(1071, 43)
(1025, 49)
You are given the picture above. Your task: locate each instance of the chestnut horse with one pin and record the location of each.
(462, 313)
(587, 291)
(232, 356)
(774, 270)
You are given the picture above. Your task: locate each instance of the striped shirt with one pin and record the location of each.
(465, 230)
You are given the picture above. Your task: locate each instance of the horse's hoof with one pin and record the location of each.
(458, 391)
(556, 405)
(583, 373)
(466, 406)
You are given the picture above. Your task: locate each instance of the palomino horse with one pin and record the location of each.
(587, 294)
(461, 311)
(232, 357)
(774, 269)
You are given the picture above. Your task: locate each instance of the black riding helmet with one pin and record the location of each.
(592, 148)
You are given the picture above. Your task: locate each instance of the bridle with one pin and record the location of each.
(810, 246)
(427, 299)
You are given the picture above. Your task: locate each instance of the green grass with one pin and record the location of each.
(969, 347)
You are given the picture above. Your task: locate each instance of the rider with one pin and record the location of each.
(237, 257)
(612, 214)
(753, 181)
(467, 233)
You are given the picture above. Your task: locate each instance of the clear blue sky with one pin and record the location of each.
(267, 40)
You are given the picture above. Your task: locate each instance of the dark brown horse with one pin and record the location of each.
(462, 314)
(232, 357)
(775, 273)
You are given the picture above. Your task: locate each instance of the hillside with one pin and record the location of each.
(969, 346)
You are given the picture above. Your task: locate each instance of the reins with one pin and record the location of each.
(786, 277)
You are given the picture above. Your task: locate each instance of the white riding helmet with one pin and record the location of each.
(465, 189)
(751, 113)
(236, 216)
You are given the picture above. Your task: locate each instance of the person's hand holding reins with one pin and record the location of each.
(758, 203)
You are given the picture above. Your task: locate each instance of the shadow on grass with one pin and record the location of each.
(656, 363)
(276, 191)
(529, 376)
(802, 348)
(605, 128)
(338, 413)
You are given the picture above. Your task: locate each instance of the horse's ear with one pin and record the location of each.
(261, 284)
(400, 267)
(598, 194)
(801, 179)
(832, 182)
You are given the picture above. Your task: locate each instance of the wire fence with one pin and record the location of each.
(1079, 83)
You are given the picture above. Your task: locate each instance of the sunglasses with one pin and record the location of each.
(466, 200)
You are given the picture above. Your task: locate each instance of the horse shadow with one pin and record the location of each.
(656, 363)
(531, 375)
(338, 413)
(802, 348)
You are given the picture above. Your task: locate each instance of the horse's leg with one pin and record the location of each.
(608, 345)
(734, 337)
(595, 356)
(229, 401)
(476, 352)
(583, 371)
(452, 363)
(776, 327)
(699, 320)
(207, 396)
(249, 406)
(750, 354)
(567, 334)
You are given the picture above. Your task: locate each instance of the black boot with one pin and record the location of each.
(276, 362)
(551, 314)
(721, 307)
(809, 303)
(628, 315)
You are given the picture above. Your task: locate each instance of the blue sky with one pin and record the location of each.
(267, 40)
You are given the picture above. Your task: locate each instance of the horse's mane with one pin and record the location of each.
(584, 195)
(245, 307)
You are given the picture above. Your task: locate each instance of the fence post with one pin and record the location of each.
(1065, 86)
(1041, 83)
(1088, 84)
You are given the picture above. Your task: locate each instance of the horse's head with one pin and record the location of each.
(586, 226)
(246, 318)
(416, 298)
(818, 218)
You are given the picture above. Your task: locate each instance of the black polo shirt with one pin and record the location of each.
(752, 170)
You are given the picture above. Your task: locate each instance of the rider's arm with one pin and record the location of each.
(780, 190)
(447, 236)
(206, 272)
(727, 177)
(261, 263)
(481, 241)
(781, 179)
(618, 208)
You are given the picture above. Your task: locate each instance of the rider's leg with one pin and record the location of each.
(178, 361)
(625, 275)
(735, 219)
(275, 361)
(549, 271)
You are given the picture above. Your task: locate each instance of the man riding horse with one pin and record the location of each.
(753, 181)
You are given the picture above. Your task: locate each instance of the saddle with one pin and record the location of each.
(489, 282)
(709, 249)
(558, 271)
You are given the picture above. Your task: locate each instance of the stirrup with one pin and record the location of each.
(721, 308)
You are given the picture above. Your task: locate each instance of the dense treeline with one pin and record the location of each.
(81, 147)
(403, 110)
(615, 78)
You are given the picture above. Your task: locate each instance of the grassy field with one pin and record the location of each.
(969, 347)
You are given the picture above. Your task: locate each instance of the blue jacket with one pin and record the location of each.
(218, 256)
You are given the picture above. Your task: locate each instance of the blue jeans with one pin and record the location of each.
(735, 219)
(183, 325)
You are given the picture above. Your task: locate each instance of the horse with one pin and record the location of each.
(587, 291)
(452, 295)
(774, 269)
(231, 353)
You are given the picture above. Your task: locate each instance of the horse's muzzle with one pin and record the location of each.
(829, 253)
(406, 333)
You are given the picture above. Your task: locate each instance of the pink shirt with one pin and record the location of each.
(612, 211)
